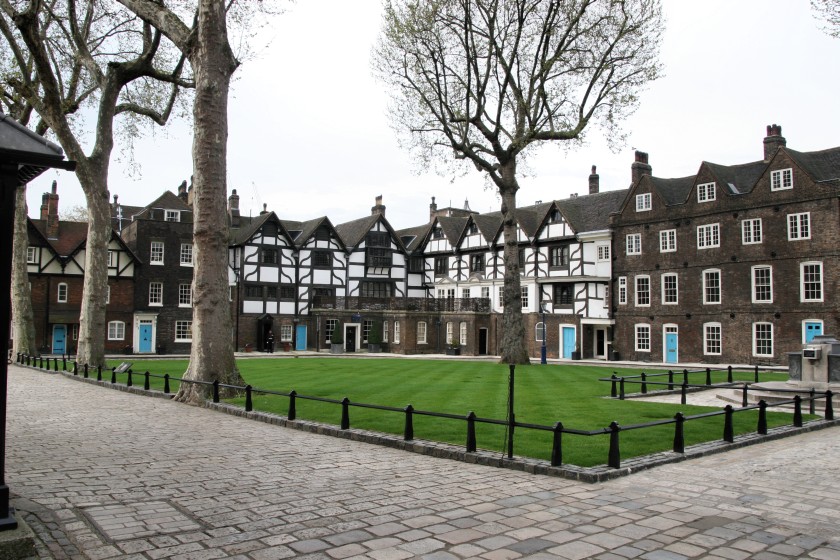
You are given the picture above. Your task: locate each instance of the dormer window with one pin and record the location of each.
(705, 192)
(437, 233)
(322, 234)
(472, 229)
(643, 202)
(781, 179)
(555, 217)
(173, 216)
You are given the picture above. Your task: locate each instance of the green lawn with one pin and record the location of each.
(544, 395)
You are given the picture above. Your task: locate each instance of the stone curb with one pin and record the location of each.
(600, 473)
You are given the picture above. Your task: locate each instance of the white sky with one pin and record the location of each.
(309, 135)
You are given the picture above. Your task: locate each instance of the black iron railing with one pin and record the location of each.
(613, 430)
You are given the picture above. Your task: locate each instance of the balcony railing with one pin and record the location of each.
(465, 305)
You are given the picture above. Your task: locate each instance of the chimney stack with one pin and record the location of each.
(265, 209)
(49, 211)
(379, 208)
(773, 141)
(182, 191)
(640, 167)
(233, 209)
(594, 182)
(432, 210)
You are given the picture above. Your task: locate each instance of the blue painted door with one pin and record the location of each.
(568, 341)
(59, 344)
(671, 347)
(300, 337)
(812, 329)
(145, 338)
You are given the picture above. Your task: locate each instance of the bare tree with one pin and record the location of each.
(67, 58)
(23, 321)
(77, 213)
(488, 79)
(828, 12)
(207, 48)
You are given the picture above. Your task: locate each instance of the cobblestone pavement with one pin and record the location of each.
(105, 474)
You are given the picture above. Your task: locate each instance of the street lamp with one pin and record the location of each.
(543, 305)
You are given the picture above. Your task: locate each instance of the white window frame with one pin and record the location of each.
(485, 292)
(633, 244)
(707, 339)
(705, 286)
(622, 290)
(172, 215)
(781, 179)
(31, 255)
(668, 241)
(524, 296)
(186, 254)
(396, 332)
(803, 283)
(751, 231)
(462, 332)
(156, 245)
(603, 253)
(676, 278)
(755, 285)
(708, 236)
(755, 327)
(538, 332)
(450, 331)
(644, 202)
(636, 292)
(706, 192)
(111, 255)
(107, 294)
(62, 292)
(799, 226)
(285, 333)
(421, 332)
(183, 331)
(639, 327)
(184, 295)
(116, 330)
(155, 302)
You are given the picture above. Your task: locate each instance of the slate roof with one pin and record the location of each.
(489, 225)
(737, 179)
(248, 226)
(413, 237)
(591, 212)
(167, 200)
(70, 235)
(673, 191)
(453, 228)
(823, 165)
(352, 232)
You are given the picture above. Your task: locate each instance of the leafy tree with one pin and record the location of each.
(67, 59)
(489, 79)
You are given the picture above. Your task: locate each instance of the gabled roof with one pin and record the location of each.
(413, 238)
(352, 232)
(489, 225)
(823, 165)
(530, 218)
(70, 236)
(737, 179)
(673, 191)
(307, 230)
(248, 226)
(453, 228)
(169, 201)
(591, 212)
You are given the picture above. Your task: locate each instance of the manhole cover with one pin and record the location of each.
(121, 522)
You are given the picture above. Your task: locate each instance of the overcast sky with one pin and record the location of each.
(309, 135)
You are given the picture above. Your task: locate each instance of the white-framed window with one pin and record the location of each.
(762, 339)
(450, 332)
(712, 339)
(329, 329)
(642, 338)
(465, 293)
(642, 291)
(668, 241)
(751, 231)
(622, 290)
(711, 286)
(670, 290)
(186, 254)
(708, 236)
(155, 293)
(31, 255)
(366, 326)
(762, 284)
(285, 333)
(421, 332)
(485, 292)
(173, 216)
(781, 179)
(524, 291)
(396, 332)
(799, 226)
(111, 258)
(462, 333)
(184, 295)
(538, 331)
(811, 281)
(603, 253)
(606, 296)
(634, 244)
(116, 330)
(643, 202)
(706, 192)
(183, 331)
(107, 294)
(156, 253)
(501, 297)
(61, 296)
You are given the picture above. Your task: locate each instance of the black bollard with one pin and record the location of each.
(408, 433)
(679, 434)
(292, 405)
(557, 445)
(829, 407)
(166, 384)
(471, 443)
(728, 432)
(216, 391)
(345, 413)
(249, 404)
(797, 411)
(615, 454)
(762, 417)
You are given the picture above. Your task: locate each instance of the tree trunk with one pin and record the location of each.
(513, 349)
(211, 356)
(92, 327)
(23, 320)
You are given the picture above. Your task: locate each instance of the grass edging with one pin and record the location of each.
(599, 473)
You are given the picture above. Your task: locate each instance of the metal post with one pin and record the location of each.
(146, 380)
(679, 434)
(613, 389)
(829, 407)
(756, 374)
(744, 396)
(166, 384)
(762, 417)
(670, 380)
(728, 432)
(216, 391)
(683, 391)
(511, 417)
(345, 413)
(621, 389)
(644, 383)
(729, 374)
(471, 443)
(708, 377)
(797, 411)
(615, 454)
(408, 433)
(292, 405)
(557, 445)
(249, 404)
(543, 360)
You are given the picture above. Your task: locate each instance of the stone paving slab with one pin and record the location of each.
(106, 474)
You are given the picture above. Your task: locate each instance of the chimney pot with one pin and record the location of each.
(594, 182)
(773, 141)
(640, 167)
